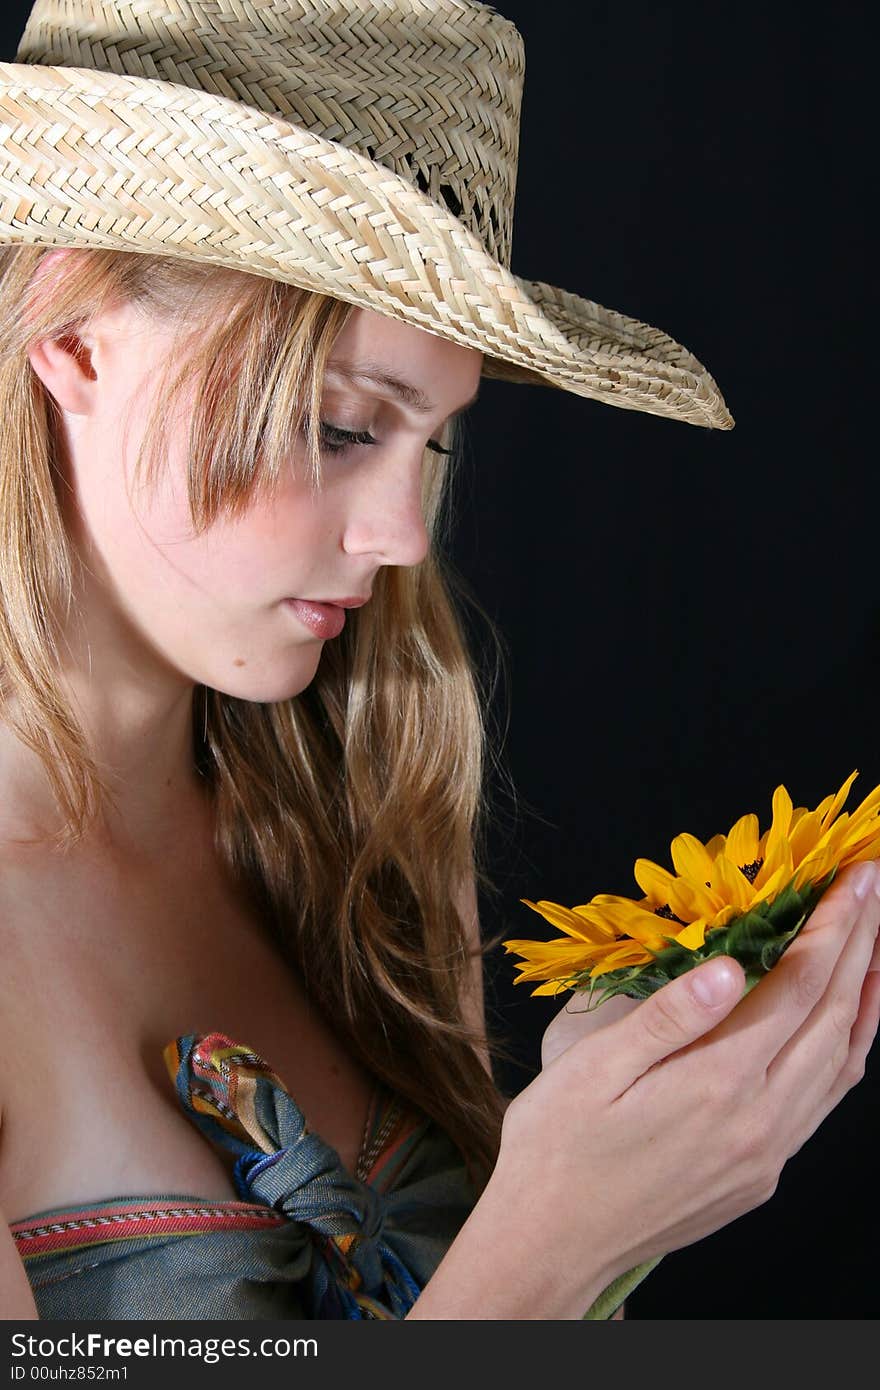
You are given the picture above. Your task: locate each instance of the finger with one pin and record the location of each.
(770, 1016)
(824, 1058)
(875, 957)
(863, 1035)
(864, 1031)
(672, 1018)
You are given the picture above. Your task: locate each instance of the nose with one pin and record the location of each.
(386, 518)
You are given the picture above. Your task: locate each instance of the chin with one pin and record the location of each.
(268, 686)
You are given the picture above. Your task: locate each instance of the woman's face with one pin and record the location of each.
(213, 607)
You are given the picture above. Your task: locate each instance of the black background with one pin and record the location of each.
(691, 616)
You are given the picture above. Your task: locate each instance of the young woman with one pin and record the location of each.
(241, 744)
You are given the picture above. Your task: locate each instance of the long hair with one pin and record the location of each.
(354, 812)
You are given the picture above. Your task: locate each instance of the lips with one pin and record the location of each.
(341, 602)
(325, 620)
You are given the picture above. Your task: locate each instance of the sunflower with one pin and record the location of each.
(743, 894)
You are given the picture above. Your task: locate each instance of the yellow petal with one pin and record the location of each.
(594, 927)
(601, 899)
(779, 829)
(778, 871)
(851, 843)
(812, 830)
(742, 846)
(557, 970)
(870, 851)
(628, 919)
(631, 955)
(554, 987)
(820, 862)
(730, 885)
(693, 936)
(687, 899)
(840, 798)
(834, 840)
(765, 890)
(866, 846)
(559, 949)
(691, 858)
(722, 918)
(574, 924)
(871, 804)
(805, 835)
(860, 829)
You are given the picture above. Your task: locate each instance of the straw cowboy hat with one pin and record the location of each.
(366, 151)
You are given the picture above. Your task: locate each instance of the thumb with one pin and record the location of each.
(682, 1011)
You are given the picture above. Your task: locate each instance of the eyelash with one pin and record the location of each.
(335, 440)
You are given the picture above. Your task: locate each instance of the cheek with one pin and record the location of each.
(144, 535)
(263, 555)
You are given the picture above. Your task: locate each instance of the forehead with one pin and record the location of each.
(427, 374)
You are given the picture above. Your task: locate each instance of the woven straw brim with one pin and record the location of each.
(95, 159)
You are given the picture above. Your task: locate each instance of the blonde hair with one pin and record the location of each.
(354, 831)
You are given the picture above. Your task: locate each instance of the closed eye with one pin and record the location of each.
(334, 439)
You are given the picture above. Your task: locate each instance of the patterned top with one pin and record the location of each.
(307, 1239)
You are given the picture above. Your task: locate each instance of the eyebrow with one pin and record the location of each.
(405, 391)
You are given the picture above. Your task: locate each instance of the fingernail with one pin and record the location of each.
(863, 880)
(713, 983)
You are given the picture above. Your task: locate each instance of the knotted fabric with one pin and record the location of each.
(239, 1102)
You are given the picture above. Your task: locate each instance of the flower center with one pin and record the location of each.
(751, 870)
(666, 911)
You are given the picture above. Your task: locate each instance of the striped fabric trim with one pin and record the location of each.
(395, 1126)
(81, 1228)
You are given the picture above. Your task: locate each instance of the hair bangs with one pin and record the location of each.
(251, 384)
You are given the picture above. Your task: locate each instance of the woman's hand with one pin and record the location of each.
(648, 1131)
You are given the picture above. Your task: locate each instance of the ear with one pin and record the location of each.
(64, 365)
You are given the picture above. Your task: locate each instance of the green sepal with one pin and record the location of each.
(757, 939)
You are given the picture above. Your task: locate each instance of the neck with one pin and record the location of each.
(142, 746)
